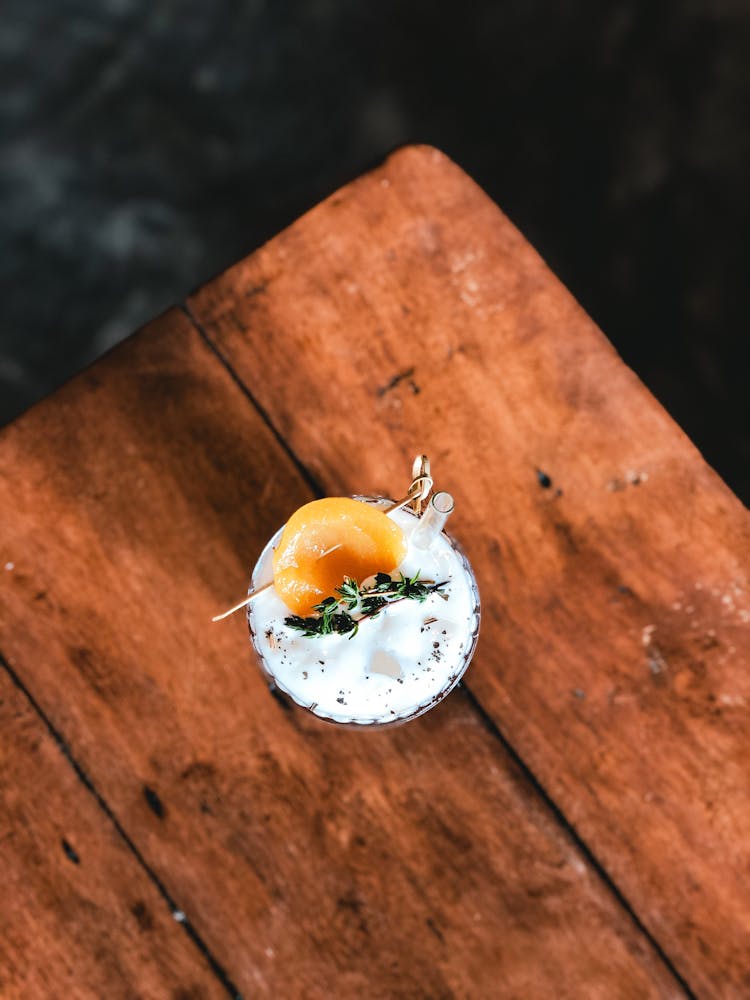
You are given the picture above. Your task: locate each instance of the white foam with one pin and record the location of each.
(397, 665)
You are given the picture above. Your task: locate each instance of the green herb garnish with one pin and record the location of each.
(337, 614)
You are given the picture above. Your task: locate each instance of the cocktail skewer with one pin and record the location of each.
(243, 604)
(420, 488)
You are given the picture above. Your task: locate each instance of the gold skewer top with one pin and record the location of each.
(419, 490)
(420, 471)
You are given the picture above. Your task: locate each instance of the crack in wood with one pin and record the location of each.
(153, 801)
(301, 468)
(580, 844)
(397, 379)
(84, 778)
(70, 853)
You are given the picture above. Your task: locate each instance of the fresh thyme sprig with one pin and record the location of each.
(336, 614)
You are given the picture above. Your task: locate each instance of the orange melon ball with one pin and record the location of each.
(326, 540)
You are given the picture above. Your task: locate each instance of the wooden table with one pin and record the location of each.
(573, 822)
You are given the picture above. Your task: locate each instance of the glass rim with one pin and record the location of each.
(278, 689)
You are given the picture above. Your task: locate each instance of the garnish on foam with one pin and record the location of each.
(353, 604)
(331, 543)
(328, 541)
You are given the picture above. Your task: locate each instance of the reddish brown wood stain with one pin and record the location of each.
(407, 314)
(313, 862)
(79, 917)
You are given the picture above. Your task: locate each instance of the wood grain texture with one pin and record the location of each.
(406, 314)
(315, 863)
(79, 917)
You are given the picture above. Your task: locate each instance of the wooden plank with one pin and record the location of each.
(79, 916)
(407, 314)
(412, 863)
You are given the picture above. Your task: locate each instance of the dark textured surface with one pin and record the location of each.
(147, 145)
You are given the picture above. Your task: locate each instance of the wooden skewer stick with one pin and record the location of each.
(408, 499)
(242, 604)
(418, 492)
(328, 551)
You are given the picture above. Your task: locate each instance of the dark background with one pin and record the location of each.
(146, 145)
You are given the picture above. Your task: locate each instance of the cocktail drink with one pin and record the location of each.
(363, 612)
